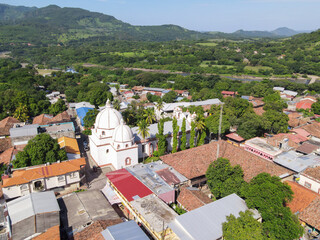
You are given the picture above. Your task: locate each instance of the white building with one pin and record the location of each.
(310, 178)
(112, 141)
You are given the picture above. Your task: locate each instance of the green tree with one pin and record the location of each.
(245, 227)
(161, 138)
(223, 179)
(149, 115)
(175, 128)
(143, 130)
(116, 104)
(192, 134)
(275, 122)
(90, 118)
(169, 97)
(269, 196)
(183, 144)
(58, 107)
(315, 107)
(39, 150)
(201, 129)
(21, 113)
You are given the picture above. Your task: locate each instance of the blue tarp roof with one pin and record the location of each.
(81, 112)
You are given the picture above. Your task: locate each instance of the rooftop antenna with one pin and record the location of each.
(219, 133)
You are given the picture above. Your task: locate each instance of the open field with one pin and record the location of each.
(130, 54)
(5, 54)
(207, 63)
(44, 72)
(257, 68)
(208, 44)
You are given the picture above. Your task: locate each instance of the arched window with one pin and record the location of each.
(127, 145)
(128, 161)
(107, 151)
(118, 147)
(103, 133)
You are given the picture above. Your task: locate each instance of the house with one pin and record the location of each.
(8, 155)
(33, 214)
(235, 139)
(182, 93)
(296, 119)
(42, 119)
(64, 175)
(81, 209)
(310, 178)
(295, 161)
(126, 230)
(199, 224)
(58, 130)
(81, 113)
(229, 94)
(83, 104)
(305, 204)
(280, 89)
(193, 163)
(286, 140)
(191, 198)
(128, 94)
(60, 118)
(21, 135)
(154, 182)
(313, 129)
(262, 148)
(5, 143)
(71, 147)
(305, 104)
(155, 216)
(308, 148)
(289, 95)
(6, 124)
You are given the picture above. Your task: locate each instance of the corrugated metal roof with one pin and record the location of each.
(296, 161)
(128, 185)
(205, 223)
(26, 130)
(124, 231)
(31, 204)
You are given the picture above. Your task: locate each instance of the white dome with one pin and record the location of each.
(122, 133)
(108, 118)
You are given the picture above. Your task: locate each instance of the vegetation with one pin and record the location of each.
(40, 150)
(245, 227)
(183, 144)
(175, 128)
(90, 118)
(162, 142)
(143, 130)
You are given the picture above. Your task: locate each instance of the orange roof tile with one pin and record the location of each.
(6, 124)
(5, 143)
(310, 214)
(52, 233)
(55, 169)
(6, 156)
(42, 119)
(192, 199)
(70, 145)
(61, 117)
(305, 104)
(194, 162)
(302, 197)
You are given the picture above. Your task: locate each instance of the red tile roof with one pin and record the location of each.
(301, 132)
(228, 93)
(42, 119)
(61, 117)
(52, 233)
(313, 129)
(304, 104)
(192, 198)
(302, 197)
(6, 156)
(6, 124)
(313, 172)
(55, 169)
(93, 232)
(194, 162)
(310, 214)
(307, 148)
(5, 143)
(235, 136)
(127, 184)
(293, 142)
(259, 111)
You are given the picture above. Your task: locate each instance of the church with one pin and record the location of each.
(113, 143)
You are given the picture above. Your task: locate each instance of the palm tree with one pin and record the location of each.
(200, 125)
(159, 106)
(21, 113)
(116, 104)
(149, 115)
(143, 130)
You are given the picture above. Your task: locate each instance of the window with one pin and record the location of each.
(107, 151)
(38, 185)
(307, 185)
(103, 133)
(128, 161)
(73, 175)
(60, 178)
(24, 187)
(118, 147)
(127, 145)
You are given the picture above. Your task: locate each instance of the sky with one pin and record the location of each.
(201, 15)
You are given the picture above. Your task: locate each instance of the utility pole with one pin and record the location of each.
(219, 133)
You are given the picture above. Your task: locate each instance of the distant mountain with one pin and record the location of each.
(53, 25)
(284, 31)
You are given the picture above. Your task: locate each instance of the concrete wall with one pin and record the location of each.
(45, 221)
(56, 135)
(305, 181)
(11, 192)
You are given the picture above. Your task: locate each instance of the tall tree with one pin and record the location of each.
(39, 150)
(116, 104)
(161, 138)
(183, 144)
(245, 227)
(143, 130)
(192, 134)
(223, 179)
(21, 113)
(175, 129)
(149, 115)
(58, 107)
(90, 118)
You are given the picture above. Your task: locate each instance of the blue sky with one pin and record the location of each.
(202, 15)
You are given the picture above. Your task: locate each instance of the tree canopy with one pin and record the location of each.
(39, 150)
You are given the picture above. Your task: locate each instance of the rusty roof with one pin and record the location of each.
(307, 148)
(194, 162)
(24, 176)
(6, 124)
(313, 129)
(168, 176)
(61, 117)
(235, 136)
(311, 213)
(192, 198)
(5, 143)
(42, 119)
(313, 172)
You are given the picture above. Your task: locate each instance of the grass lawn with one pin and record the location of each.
(256, 68)
(206, 64)
(208, 44)
(130, 54)
(45, 71)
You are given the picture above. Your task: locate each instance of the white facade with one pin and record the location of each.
(42, 184)
(112, 142)
(308, 182)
